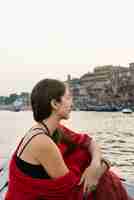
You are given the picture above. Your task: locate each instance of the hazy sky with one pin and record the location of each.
(53, 38)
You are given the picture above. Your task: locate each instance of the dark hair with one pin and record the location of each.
(42, 94)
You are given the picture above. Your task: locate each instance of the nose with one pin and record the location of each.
(72, 104)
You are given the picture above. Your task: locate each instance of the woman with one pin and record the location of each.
(51, 161)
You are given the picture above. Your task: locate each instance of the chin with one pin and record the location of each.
(66, 117)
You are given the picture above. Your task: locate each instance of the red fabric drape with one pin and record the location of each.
(22, 187)
(110, 186)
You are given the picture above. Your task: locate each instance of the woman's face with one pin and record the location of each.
(65, 105)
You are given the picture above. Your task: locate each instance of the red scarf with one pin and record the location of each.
(23, 187)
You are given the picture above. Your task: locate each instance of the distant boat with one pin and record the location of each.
(127, 110)
(17, 104)
(103, 108)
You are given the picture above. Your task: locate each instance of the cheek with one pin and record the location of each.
(67, 104)
(64, 108)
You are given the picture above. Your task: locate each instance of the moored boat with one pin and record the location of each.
(127, 111)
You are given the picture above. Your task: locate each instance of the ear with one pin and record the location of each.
(54, 104)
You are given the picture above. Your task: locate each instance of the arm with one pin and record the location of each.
(48, 155)
(97, 167)
(96, 154)
(95, 170)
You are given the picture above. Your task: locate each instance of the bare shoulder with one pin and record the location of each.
(43, 142)
(47, 153)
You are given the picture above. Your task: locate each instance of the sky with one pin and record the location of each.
(50, 39)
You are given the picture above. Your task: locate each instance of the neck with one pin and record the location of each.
(51, 123)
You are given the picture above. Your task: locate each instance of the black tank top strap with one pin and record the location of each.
(45, 126)
(35, 132)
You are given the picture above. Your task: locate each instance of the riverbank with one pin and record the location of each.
(12, 108)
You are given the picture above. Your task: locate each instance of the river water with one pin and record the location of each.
(114, 131)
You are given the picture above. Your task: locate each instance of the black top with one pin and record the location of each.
(35, 171)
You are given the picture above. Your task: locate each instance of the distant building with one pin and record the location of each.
(131, 69)
(74, 85)
(105, 85)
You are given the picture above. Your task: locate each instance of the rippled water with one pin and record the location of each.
(113, 131)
